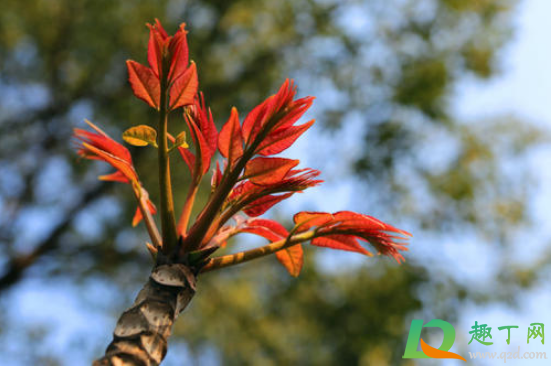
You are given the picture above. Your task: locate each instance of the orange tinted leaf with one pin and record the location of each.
(202, 148)
(292, 258)
(144, 83)
(263, 204)
(99, 146)
(230, 140)
(114, 177)
(364, 223)
(119, 164)
(254, 121)
(216, 177)
(178, 48)
(306, 220)
(340, 242)
(296, 110)
(269, 229)
(342, 230)
(268, 170)
(261, 114)
(203, 118)
(184, 89)
(141, 135)
(282, 139)
(103, 142)
(157, 38)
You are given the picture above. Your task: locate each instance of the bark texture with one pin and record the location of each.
(141, 335)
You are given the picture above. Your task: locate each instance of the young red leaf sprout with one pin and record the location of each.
(247, 180)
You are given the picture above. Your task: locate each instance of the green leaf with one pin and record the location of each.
(180, 141)
(141, 135)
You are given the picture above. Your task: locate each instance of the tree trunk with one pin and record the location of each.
(141, 335)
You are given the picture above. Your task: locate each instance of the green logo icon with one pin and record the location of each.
(427, 351)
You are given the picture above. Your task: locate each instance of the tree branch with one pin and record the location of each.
(142, 331)
(17, 266)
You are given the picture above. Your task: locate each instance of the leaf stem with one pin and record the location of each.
(152, 229)
(188, 206)
(168, 221)
(204, 221)
(247, 255)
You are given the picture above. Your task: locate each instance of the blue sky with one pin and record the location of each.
(523, 90)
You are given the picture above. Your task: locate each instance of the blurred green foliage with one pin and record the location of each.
(392, 65)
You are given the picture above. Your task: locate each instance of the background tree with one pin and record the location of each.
(387, 69)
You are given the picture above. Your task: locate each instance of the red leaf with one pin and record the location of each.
(253, 121)
(178, 48)
(144, 83)
(295, 111)
(342, 229)
(263, 204)
(216, 177)
(204, 116)
(282, 139)
(386, 245)
(261, 114)
(341, 242)
(297, 180)
(100, 146)
(306, 220)
(103, 142)
(114, 177)
(157, 38)
(186, 155)
(264, 171)
(184, 89)
(364, 223)
(292, 258)
(123, 166)
(201, 145)
(269, 229)
(230, 140)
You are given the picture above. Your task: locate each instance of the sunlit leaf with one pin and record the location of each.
(340, 242)
(269, 229)
(263, 204)
(281, 140)
(305, 220)
(178, 48)
(268, 170)
(204, 120)
(230, 140)
(141, 135)
(157, 39)
(144, 83)
(184, 89)
(181, 140)
(292, 258)
(201, 146)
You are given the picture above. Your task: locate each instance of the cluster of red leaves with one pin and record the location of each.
(342, 230)
(99, 146)
(252, 179)
(181, 80)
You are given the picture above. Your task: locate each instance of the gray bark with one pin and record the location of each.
(141, 335)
